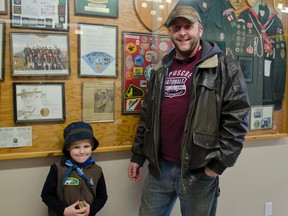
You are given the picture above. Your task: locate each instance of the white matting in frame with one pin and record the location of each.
(261, 117)
(98, 101)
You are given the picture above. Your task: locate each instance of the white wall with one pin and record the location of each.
(259, 176)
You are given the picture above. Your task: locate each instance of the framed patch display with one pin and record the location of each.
(39, 102)
(39, 54)
(101, 8)
(40, 14)
(141, 52)
(261, 117)
(97, 50)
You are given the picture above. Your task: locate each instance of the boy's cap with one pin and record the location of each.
(186, 12)
(78, 131)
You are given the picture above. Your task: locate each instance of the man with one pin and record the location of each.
(192, 123)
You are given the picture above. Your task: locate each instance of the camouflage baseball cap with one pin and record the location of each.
(186, 12)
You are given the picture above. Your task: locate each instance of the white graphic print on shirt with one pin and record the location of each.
(176, 83)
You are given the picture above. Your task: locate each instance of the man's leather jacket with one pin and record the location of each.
(217, 120)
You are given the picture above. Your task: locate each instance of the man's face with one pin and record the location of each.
(29, 99)
(185, 37)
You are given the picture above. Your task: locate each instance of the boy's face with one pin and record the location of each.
(80, 150)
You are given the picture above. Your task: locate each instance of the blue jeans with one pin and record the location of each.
(160, 195)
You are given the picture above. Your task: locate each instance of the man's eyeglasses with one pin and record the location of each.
(178, 27)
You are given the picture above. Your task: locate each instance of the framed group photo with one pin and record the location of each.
(97, 50)
(97, 8)
(39, 101)
(40, 14)
(39, 54)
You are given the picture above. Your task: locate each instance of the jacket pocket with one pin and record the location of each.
(204, 148)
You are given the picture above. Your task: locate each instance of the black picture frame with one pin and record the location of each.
(44, 15)
(107, 9)
(97, 57)
(39, 102)
(39, 54)
(246, 64)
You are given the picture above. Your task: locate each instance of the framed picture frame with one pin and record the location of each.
(2, 49)
(261, 117)
(3, 7)
(141, 52)
(98, 50)
(39, 54)
(41, 14)
(246, 64)
(39, 102)
(98, 101)
(96, 8)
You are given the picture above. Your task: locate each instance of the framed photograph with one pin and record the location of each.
(246, 64)
(102, 8)
(261, 117)
(97, 50)
(2, 49)
(3, 7)
(98, 101)
(39, 101)
(40, 14)
(39, 54)
(141, 52)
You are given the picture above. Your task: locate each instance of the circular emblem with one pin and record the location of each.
(148, 70)
(163, 46)
(45, 111)
(139, 60)
(131, 48)
(151, 56)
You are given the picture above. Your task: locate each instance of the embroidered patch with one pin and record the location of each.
(98, 61)
(71, 181)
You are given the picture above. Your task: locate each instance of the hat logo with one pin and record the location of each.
(153, 13)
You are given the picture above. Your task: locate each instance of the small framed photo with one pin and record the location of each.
(39, 102)
(98, 50)
(102, 8)
(3, 7)
(39, 54)
(44, 15)
(2, 49)
(98, 101)
(261, 117)
(246, 64)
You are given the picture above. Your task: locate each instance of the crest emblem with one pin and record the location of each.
(153, 13)
(236, 3)
(251, 3)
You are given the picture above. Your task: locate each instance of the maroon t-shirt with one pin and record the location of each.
(175, 107)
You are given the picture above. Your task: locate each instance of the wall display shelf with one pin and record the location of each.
(116, 132)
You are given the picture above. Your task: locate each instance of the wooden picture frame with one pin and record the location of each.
(3, 7)
(41, 14)
(98, 50)
(39, 102)
(39, 54)
(104, 8)
(2, 49)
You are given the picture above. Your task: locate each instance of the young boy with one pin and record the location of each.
(75, 185)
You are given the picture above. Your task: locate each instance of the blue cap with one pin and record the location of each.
(78, 131)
